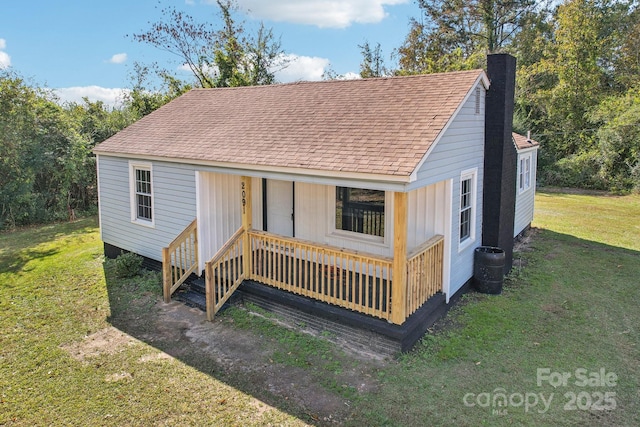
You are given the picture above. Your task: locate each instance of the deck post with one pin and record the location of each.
(247, 221)
(166, 275)
(399, 280)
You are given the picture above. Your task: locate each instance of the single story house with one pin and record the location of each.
(363, 199)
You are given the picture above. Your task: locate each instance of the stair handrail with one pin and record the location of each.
(179, 260)
(224, 293)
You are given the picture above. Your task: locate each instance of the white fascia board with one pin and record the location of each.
(527, 150)
(315, 176)
(99, 203)
(482, 78)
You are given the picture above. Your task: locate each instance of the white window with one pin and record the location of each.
(467, 207)
(141, 188)
(524, 177)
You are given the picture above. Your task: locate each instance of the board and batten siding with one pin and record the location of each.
(220, 210)
(459, 149)
(525, 200)
(314, 208)
(427, 216)
(174, 205)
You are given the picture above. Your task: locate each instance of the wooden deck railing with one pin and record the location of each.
(424, 273)
(224, 273)
(357, 281)
(360, 282)
(179, 260)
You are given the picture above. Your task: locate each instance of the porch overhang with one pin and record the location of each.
(389, 288)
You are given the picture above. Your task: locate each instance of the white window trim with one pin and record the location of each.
(133, 165)
(352, 235)
(524, 179)
(473, 175)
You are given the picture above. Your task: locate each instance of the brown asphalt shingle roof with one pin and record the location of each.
(523, 142)
(374, 126)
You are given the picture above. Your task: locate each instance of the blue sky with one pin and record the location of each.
(81, 47)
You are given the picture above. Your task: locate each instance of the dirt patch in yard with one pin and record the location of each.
(105, 341)
(245, 359)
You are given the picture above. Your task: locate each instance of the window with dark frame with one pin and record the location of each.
(143, 194)
(360, 210)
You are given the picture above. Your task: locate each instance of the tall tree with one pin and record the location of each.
(457, 34)
(372, 64)
(627, 59)
(217, 57)
(572, 73)
(618, 139)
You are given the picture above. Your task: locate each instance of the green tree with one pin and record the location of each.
(372, 64)
(566, 70)
(145, 96)
(456, 34)
(627, 57)
(618, 139)
(222, 57)
(47, 168)
(38, 143)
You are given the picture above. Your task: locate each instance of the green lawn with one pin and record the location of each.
(572, 306)
(54, 292)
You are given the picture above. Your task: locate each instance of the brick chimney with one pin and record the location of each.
(500, 157)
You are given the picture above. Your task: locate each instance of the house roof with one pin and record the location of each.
(379, 126)
(522, 142)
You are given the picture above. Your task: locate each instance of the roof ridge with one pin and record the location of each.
(474, 71)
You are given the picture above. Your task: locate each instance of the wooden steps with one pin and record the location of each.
(192, 293)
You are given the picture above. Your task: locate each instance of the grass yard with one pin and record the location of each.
(79, 346)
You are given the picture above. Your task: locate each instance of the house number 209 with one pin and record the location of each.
(244, 198)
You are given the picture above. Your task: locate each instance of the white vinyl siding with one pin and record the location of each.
(141, 191)
(525, 199)
(174, 205)
(460, 148)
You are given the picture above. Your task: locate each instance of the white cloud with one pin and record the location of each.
(305, 68)
(5, 59)
(321, 13)
(299, 68)
(350, 76)
(110, 96)
(118, 58)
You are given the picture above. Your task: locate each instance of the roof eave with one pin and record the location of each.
(388, 181)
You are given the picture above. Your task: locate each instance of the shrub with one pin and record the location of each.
(577, 171)
(128, 264)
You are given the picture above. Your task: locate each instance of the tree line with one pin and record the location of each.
(577, 80)
(47, 169)
(578, 91)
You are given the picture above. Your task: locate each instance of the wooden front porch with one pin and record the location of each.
(357, 281)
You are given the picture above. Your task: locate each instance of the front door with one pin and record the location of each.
(279, 200)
